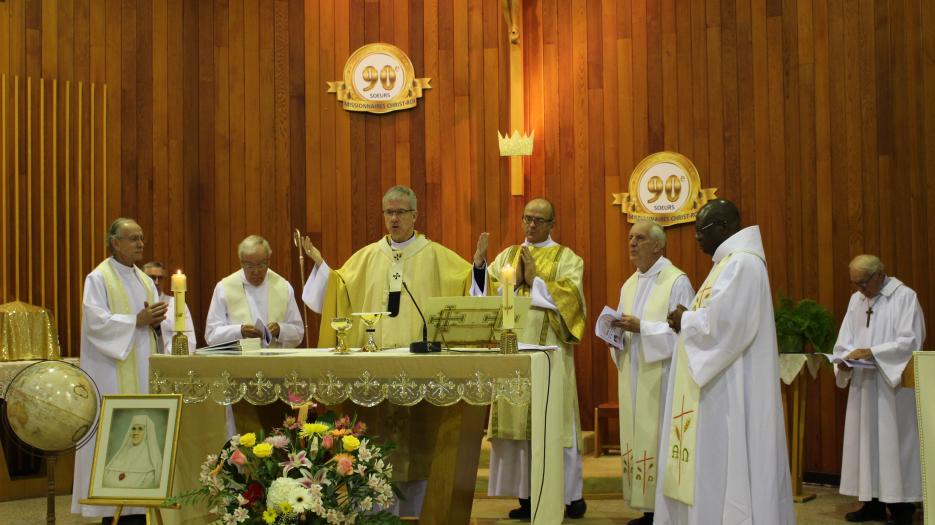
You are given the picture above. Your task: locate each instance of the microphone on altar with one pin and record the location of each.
(424, 346)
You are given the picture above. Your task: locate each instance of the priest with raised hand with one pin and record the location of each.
(551, 274)
(254, 294)
(120, 313)
(723, 447)
(373, 280)
(656, 288)
(883, 325)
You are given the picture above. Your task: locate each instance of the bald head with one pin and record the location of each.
(867, 264)
(538, 220)
(717, 221)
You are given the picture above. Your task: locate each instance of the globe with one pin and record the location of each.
(52, 406)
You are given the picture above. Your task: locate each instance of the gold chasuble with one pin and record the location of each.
(278, 288)
(561, 270)
(639, 427)
(119, 303)
(363, 285)
(364, 282)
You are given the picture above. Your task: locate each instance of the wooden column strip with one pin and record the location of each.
(16, 214)
(79, 172)
(29, 214)
(67, 229)
(55, 229)
(42, 232)
(4, 181)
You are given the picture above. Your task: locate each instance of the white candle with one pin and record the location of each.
(508, 281)
(179, 282)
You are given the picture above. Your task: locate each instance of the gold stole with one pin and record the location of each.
(239, 309)
(506, 421)
(119, 303)
(639, 435)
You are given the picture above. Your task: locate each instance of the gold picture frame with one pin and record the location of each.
(135, 448)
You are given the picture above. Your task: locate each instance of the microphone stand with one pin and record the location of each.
(424, 346)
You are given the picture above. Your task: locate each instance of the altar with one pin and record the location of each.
(460, 383)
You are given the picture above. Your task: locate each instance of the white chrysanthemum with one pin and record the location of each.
(241, 514)
(280, 491)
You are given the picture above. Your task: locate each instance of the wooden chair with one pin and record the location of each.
(602, 413)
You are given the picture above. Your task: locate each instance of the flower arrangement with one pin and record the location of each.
(324, 472)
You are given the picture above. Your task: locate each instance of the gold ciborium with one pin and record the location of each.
(370, 320)
(342, 326)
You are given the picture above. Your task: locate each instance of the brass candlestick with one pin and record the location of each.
(508, 342)
(179, 344)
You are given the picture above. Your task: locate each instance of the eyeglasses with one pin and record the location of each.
(133, 238)
(538, 221)
(706, 226)
(250, 267)
(395, 213)
(864, 283)
(157, 278)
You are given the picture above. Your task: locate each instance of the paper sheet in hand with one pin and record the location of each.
(853, 363)
(266, 337)
(604, 328)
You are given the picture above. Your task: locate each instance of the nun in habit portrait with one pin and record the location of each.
(138, 462)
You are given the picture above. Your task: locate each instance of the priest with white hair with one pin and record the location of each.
(882, 327)
(656, 288)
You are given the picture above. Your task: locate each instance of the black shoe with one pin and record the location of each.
(900, 513)
(576, 509)
(129, 519)
(645, 519)
(873, 510)
(523, 512)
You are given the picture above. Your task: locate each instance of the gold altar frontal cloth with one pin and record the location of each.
(27, 332)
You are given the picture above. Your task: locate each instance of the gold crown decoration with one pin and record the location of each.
(516, 145)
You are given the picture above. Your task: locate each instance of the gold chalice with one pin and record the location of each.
(342, 325)
(370, 320)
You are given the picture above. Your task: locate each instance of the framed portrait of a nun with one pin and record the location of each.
(134, 453)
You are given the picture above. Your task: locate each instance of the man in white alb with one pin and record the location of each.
(120, 311)
(655, 289)
(723, 456)
(883, 326)
(254, 293)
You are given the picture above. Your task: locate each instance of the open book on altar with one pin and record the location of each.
(471, 321)
(233, 347)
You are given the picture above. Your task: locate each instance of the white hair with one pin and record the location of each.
(251, 242)
(870, 264)
(655, 233)
(401, 192)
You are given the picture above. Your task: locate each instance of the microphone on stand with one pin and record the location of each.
(424, 346)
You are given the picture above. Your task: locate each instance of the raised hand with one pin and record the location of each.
(313, 253)
(480, 255)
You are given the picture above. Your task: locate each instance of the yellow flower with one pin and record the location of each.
(350, 443)
(269, 516)
(263, 450)
(285, 508)
(248, 440)
(308, 429)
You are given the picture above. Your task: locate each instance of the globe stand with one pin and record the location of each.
(50, 455)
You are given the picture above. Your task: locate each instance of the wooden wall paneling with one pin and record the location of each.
(347, 205)
(402, 163)
(235, 86)
(416, 13)
(386, 28)
(253, 175)
(268, 200)
(440, 201)
(112, 191)
(614, 221)
(927, 17)
(776, 185)
(372, 174)
(161, 187)
(210, 270)
(331, 66)
(195, 242)
(434, 102)
(145, 92)
(363, 213)
(790, 228)
(460, 176)
(314, 94)
(868, 140)
(475, 207)
(177, 191)
(489, 171)
(227, 238)
(296, 137)
(280, 230)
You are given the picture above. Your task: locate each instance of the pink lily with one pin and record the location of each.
(295, 461)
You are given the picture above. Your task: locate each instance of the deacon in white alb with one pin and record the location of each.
(883, 325)
(655, 289)
(723, 458)
(254, 293)
(120, 311)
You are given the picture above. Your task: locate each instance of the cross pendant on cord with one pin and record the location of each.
(869, 313)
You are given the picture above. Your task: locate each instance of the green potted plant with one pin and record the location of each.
(804, 323)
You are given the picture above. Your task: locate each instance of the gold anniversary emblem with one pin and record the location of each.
(665, 187)
(378, 78)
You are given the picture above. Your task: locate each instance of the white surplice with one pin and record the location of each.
(742, 466)
(221, 328)
(881, 433)
(168, 326)
(107, 337)
(659, 341)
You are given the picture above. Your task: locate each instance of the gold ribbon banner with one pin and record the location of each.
(345, 95)
(635, 211)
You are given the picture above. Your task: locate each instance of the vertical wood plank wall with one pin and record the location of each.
(816, 116)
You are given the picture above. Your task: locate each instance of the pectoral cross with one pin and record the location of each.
(869, 313)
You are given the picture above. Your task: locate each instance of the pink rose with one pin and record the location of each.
(237, 458)
(345, 466)
(327, 442)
